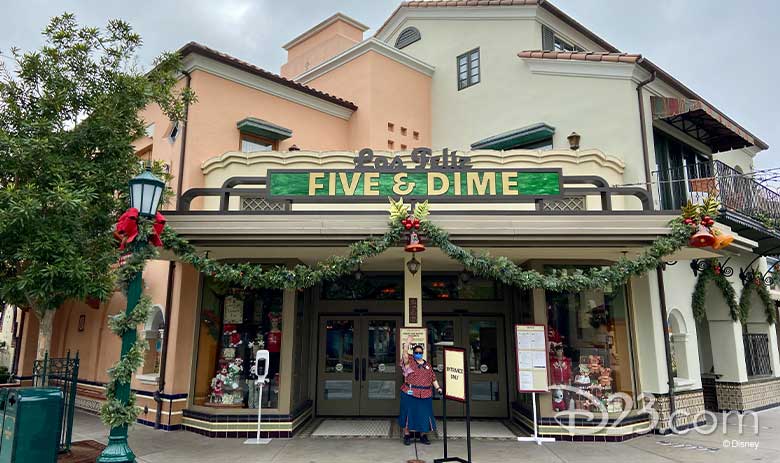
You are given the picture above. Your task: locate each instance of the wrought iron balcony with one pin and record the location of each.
(750, 208)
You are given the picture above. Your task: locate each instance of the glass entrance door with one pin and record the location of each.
(483, 339)
(358, 372)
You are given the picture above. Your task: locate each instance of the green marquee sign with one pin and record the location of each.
(472, 184)
(445, 175)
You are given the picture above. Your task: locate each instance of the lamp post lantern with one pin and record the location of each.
(145, 194)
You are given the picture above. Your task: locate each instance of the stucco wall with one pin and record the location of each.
(385, 92)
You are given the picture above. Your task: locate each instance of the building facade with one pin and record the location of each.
(517, 86)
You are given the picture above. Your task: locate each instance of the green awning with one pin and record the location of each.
(263, 129)
(516, 138)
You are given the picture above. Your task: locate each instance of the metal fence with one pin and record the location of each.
(64, 374)
(757, 358)
(735, 191)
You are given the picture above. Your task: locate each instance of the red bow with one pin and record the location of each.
(159, 225)
(127, 228)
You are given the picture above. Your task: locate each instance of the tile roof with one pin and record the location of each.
(583, 56)
(196, 48)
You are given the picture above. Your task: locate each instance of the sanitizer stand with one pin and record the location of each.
(261, 362)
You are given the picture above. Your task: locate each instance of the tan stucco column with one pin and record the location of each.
(181, 331)
(412, 294)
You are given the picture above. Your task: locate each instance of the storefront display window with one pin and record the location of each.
(463, 287)
(234, 325)
(589, 350)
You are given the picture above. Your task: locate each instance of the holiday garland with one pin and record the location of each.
(713, 273)
(757, 285)
(500, 268)
(114, 413)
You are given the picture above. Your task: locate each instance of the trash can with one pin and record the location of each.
(31, 424)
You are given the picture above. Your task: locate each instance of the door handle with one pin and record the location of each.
(357, 369)
(364, 368)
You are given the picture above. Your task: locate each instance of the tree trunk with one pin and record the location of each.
(46, 323)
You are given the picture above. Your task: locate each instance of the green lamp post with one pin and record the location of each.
(145, 193)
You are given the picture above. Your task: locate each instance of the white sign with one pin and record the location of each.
(234, 310)
(531, 347)
(455, 373)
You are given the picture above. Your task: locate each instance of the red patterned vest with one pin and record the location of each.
(419, 379)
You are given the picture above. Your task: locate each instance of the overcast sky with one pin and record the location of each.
(725, 50)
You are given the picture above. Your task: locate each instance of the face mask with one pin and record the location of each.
(418, 356)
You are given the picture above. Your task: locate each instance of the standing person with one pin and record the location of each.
(417, 394)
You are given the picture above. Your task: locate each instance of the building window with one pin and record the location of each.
(251, 143)
(235, 323)
(590, 349)
(551, 41)
(468, 69)
(407, 37)
(390, 144)
(758, 360)
(403, 147)
(403, 131)
(678, 166)
(174, 132)
(390, 127)
(416, 135)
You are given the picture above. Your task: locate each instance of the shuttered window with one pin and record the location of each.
(407, 37)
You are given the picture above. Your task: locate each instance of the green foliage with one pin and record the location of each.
(69, 113)
(712, 273)
(121, 323)
(499, 268)
(760, 288)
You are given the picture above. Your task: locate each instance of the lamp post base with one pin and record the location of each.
(117, 451)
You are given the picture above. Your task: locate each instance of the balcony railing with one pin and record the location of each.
(736, 192)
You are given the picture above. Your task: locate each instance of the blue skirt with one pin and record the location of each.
(416, 414)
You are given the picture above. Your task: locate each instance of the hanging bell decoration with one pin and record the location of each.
(413, 244)
(722, 239)
(702, 238)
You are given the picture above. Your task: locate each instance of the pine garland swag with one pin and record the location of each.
(760, 288)
(113, 413)
(500, 268)
(698, 303)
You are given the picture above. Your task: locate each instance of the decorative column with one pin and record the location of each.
(412, 291)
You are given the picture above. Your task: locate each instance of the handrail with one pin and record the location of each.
(735, 191)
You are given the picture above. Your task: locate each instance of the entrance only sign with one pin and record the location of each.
(455, 373)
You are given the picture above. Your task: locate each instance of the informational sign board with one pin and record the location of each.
(455, 373)
(418, 336)
(531, 347)
(234, 310)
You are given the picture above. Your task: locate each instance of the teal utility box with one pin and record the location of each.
(32, 421)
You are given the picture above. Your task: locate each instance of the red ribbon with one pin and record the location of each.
(127, 228)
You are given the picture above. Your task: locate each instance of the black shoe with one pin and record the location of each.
(424, 440)
(408, 439)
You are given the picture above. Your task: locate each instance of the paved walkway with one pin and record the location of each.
(181, 446)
